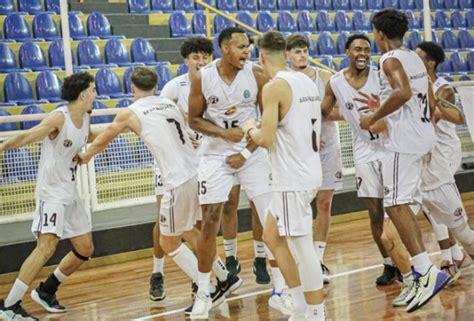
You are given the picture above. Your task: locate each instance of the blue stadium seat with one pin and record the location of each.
(407, 4)
(267, 5)
(16, 27)
(125, 102)
(341, 42)
(76, 28)
(7, 59)
(6, 7)
(142, 51)
(6, 127)
(164, 75)
(285, 22)
(265, 21)
(341, 4)
(249, 5)
(182, 69)
(451, 4)
(458, 62)
(464, 78)
(44, 27)
(184, 5)
(117, 53)
(120, 154)
(465, 4)
(17, 89)
(217, 49)
(52, 5)
(209, 2)
(245, 17)
(465, 39)
(98, 25)
(220, 23)
(286, 5)
(88, 54)
(108, 84)
(413, 21)
(470, 19)
(360, 21)
(161, 5)
(48, 86)
(304, 5)
(449, 40)
(342, 22)
(30, 6)
(436, 4)
(227, 5)
(434, 36)
(323, 4)
(179, 26)
(325, 44)
(442, 20)
(127, 81)
(31, 56)
(138, 6)
(30, 110)
(313, 50)
(422, 21)
(358, 5)
(327, 60)
(414, 39)
(374, 48)
(391, 4)
(375, 4)
(199, 23)
(419, 5)
(470, 60)
(323, 21)
(100, 119)
(304, 21)
(56, 55)
(345, 62)
(458, 20)
(20, 165)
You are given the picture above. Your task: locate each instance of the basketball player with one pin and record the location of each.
(59, 210)
(290, 128)
(223, 95)
(405, 108)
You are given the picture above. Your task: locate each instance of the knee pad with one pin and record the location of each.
(262, 202)
(440, 230)
(309, 267)
(80, 256)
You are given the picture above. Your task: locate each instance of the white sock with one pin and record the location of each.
(219, 269)
(408, 278)
(320, 247)
(17, 292)
(316, 312)
(204, 282)
(446, 256)
(456, 252)
(59, 275)
(278, 280)
(158, 264)
(388, 261)
(259, 248)
(186, 260)
(299, 302)
(230, 247)
(421, 263)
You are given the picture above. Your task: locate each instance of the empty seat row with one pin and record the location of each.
(29, 6)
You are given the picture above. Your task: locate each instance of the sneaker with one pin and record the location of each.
(202, 305)
(217, 298)
(232, 283)
(194, 290)
(281, 302)
(260, 270)
(428, 286)
(47, 301)
(389, 273)
(157, 292)
(452, 270)
(232, 264)
(326, 273)
(407, 293)
(464, 262)
(297, 317)
(15, 313)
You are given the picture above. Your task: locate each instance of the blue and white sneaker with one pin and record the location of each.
(282, 302)
(428, 286)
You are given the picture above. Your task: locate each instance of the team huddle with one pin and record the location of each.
(268, 128)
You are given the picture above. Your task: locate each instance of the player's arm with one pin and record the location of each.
(93, 133)
(262, 79)
(328, 110)
(447, 110)
(52, 123)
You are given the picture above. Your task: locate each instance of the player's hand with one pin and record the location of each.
(366, 121)
(83, 158)
(371, 102)
(234, 135)
(235, 161)
(249, 124)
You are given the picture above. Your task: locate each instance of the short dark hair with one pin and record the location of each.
(393, 23)
(356, 36)
(272, 41)
(227, 33)
(144, 78)
(434, 52)
(196, 45)
(297, 40)
(75, 84)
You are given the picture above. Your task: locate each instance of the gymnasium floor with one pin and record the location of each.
(119, 292)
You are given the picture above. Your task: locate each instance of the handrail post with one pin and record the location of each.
(208, 23)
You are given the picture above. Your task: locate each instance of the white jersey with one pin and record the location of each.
(163, 132)
(367, 146)
(228, 106)
(329, 133)
(410, 130)
(177, 90)
(57, 167)
(294, 156)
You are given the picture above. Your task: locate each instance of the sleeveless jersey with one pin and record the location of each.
(228, 106)
(367, 147)
(294, 156)
(410, 130)
(163, 132)
(57, 166)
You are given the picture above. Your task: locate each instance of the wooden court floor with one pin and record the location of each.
(119, 292)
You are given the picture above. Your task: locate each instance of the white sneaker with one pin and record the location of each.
(407, 293)
(326, 274)
(201, 307)
(282, 302)
(297, 317)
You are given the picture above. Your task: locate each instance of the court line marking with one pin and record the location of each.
(243, 296)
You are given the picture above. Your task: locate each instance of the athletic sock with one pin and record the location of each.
(186, 260)
(316, 312)
(17, 292)
(259, 249)
(388, 261)
(219, 269)
(278, 280)
(446, 256)
(299, 302)
(230, 247)
(456, 252)
(421, 263)
(158, 264)
(204, 282)
(51, 284)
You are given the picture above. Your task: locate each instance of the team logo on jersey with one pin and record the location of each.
(67, 143)
(246, 93)
(162, 218)
(349, 105)
(458, 212)
(338, 175)
(212, 100)
(386, 190)
(231, 110)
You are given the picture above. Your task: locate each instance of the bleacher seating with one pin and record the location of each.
(265, 21)
(30, 6)
(44, 27)
(17, 89)
(185, 5)
(164, 75)
(16, 27)
(30, 110)
(6, 127)
(52, 5)
(142, 51)
(48, 86)
(247, 5)
(6, 7)
(161, 5)
(304, 21)
(179, 26)
(285, 22)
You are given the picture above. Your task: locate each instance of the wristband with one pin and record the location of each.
(246, 153)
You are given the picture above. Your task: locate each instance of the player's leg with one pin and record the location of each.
(260, 261)
(321, 226)
(229, 230)
(157, 291)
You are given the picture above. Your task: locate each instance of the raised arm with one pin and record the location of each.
(446, 110)
(262, 80)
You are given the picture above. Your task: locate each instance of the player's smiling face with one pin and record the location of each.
(237, 50)
(197, 60)
(359, 53)
(88, 96)
(298, 57)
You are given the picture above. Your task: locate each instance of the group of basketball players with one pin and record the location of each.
(209, 132)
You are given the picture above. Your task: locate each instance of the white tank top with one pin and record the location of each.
(294, 156)
(329, 133)
(57, 168)
(367, 146)
(228, 106)
(163, 132)
(410, 130)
